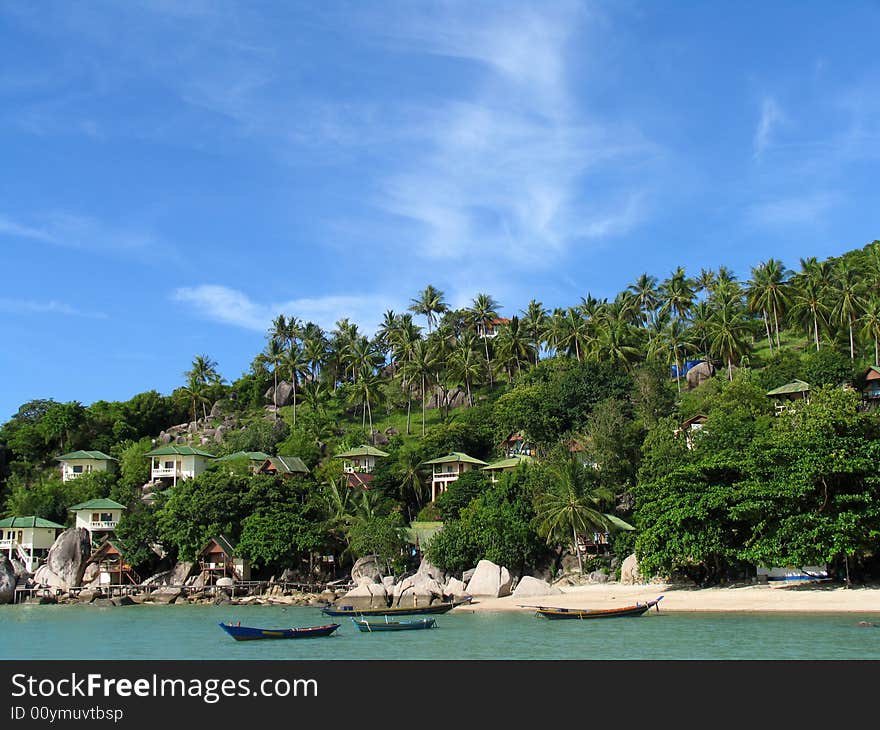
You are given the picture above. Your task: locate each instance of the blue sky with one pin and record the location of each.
(174, 173)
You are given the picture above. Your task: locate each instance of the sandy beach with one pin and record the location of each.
(751, 598)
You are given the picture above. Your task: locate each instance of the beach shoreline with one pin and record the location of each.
(762, 598)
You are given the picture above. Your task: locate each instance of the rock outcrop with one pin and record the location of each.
(699, 373)
(366, 595)
(629, 571)
(529, 586)
(490, 580)
(366, 567)
(66, 561)
(280, 396)
(8, 580)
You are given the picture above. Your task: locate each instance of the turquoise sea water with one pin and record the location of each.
(191, 632)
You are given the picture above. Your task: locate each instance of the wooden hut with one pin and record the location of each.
(216, 560)
(113, 569)
(790, 393)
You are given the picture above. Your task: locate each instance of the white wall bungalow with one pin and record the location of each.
(171, 462)
(77, 463)
(446, 469)
(26, 540)
(98, 516)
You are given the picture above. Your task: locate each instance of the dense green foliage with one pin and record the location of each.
(598, 380)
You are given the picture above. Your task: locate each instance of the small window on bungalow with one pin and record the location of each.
(77, 469)
(169, 464)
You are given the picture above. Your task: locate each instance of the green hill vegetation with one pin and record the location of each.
(598, 389)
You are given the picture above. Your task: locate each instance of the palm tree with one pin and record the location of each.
(677, 294)
(807, 304)
(273, 356)
(535, 320)
(420, 367)
(645, 291)
(385, 333)
(430, 304)
(616, 337)
(314, 349)
(729, 329)
(768, 292)
(677, 338)
(848, 305)
(571, 332)
(404, 337)
(514, 349)
(295, 361)
(870, 321)
(204, 372)
(412, 481)
(367, 390)
(573, 504)
(466, 364)
(483, 313)
(195, 389)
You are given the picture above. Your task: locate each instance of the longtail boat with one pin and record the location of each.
(366, 626)
(343, 610)
(249, 633)
(584, 613)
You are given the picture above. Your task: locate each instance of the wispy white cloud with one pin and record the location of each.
(81, 232)
(233, 307)
(772, 117)
(792, 211)
(510, 169)
(28, 306)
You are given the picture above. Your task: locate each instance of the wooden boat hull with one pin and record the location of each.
(369, 627)
(250, 633)
(414, 611)
(583, 614)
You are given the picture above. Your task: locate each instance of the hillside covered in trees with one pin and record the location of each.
(597, 388)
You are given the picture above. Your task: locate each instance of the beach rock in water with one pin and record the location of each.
(489, 580)
(629, 571)
(66, 561)
(366, 567)
(530, 586)
(7, 580)
(455, 589)
(419, 589)
(366, 595)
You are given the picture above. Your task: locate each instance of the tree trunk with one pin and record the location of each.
(488, 361)
(767, 327)
(776, 322)
(423, 405)
(576, 549)
(816, 329)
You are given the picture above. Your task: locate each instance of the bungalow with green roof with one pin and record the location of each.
(786, 395)
(496, 468)
(358, 464)
(256, 458)
(98, 516)
(446, 469)
(172, 462)
(284, 465)
(27, 540)
(77, 463)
